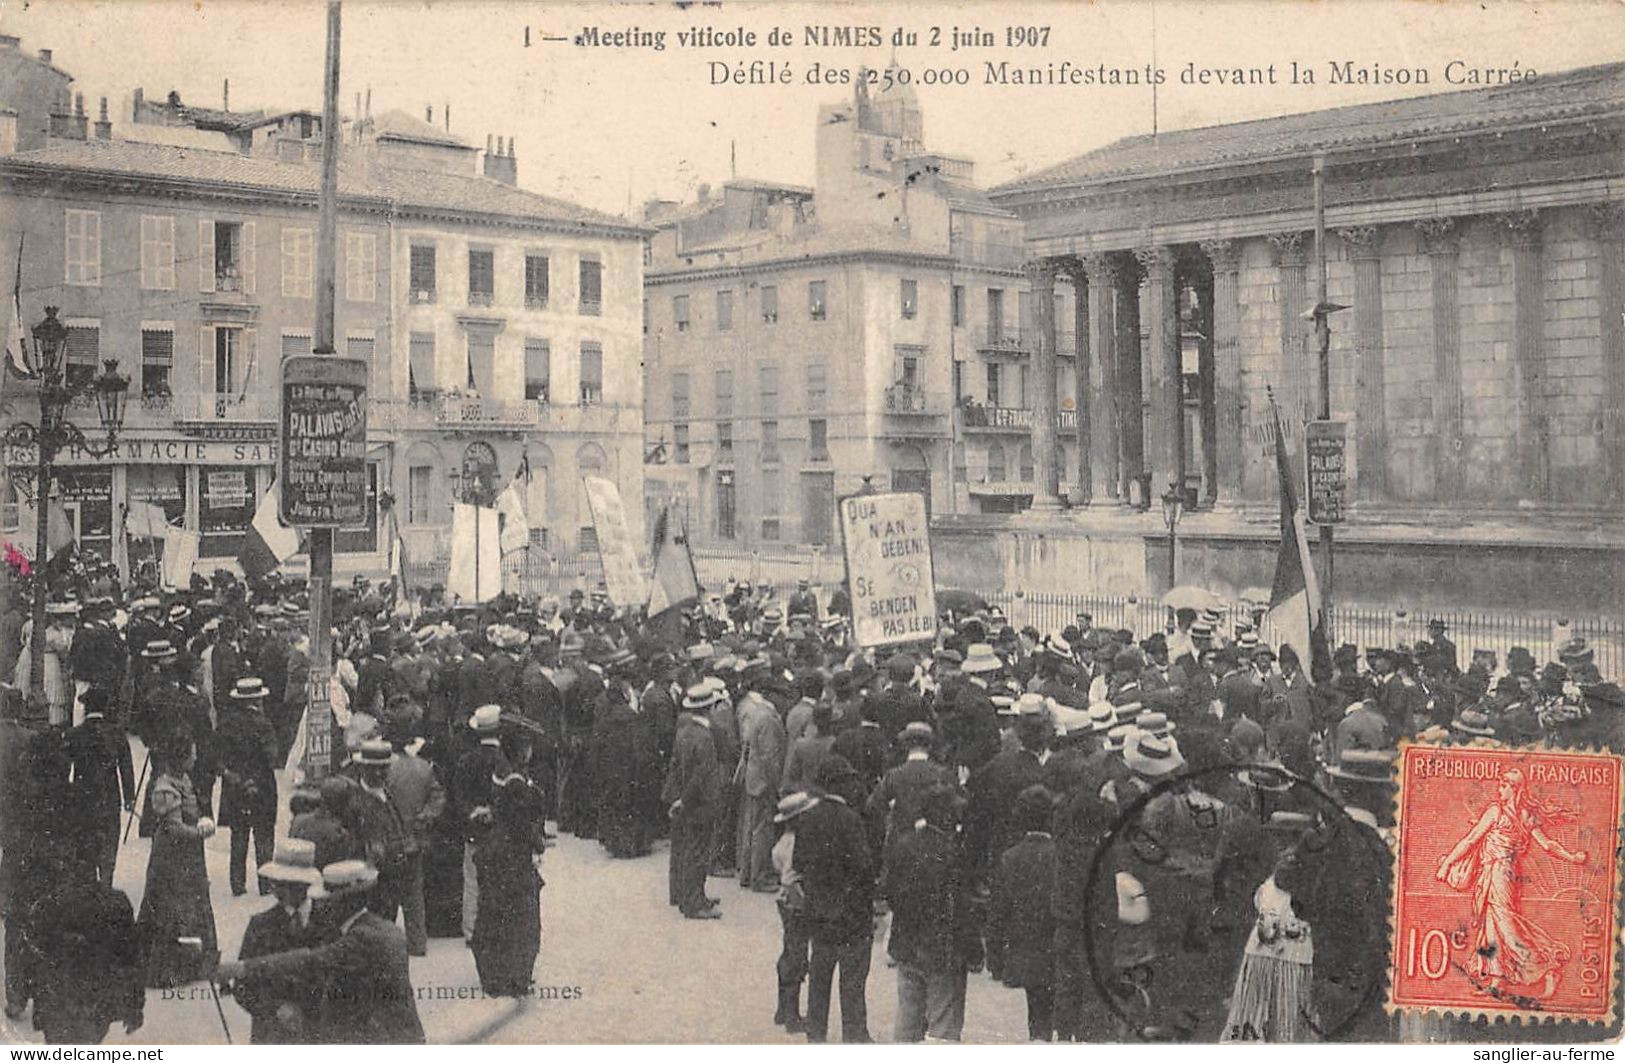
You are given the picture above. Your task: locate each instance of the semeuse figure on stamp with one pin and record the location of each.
(1507, 946)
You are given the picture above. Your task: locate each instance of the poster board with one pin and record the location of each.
(887, 542)
(623, 576)
(324, 442)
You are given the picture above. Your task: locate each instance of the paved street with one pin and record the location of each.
(644, 973)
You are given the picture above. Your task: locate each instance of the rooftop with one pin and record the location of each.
(359, 177)
(398, 125)
(1598, 90)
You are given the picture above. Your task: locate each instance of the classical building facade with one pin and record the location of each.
(1475, 240)
(501, 326)
(876, 326)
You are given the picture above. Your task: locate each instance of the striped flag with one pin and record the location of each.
(1295, 597)
(17, 360)
(675, 584)
(269, 542)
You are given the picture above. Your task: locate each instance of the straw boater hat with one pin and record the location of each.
(373, 753)
(700, 696)
(1130, 712)
(979, 657)
(487, 719)
(1473, 722)
(1155, 723)
(793, 805)
(61, 608)
(141, 605)
(1069, 721)
(250, 688)
(1102, 717)
(159, 649)
(1118, 735)
(1152, 756)
(345, 877)
(1374, 766)
(178, 612)
(294, 861)
(1030, 705)
(916, 734)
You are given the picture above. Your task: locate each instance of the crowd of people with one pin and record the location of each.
(1132, 828)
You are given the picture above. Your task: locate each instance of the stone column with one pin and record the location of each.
(1608, 230)
(1292, 391)
(1168, 412)
(1041, 283)
(1441, 239)
(1081, 382)
(1528, 356)
(1199, 277)
(1129, 390)
(1229, 399)
(1370, 400)
(1105, 448)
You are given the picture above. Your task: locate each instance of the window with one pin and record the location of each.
(227, 348)
(1024, 462)
(423, 273)
(770, 441)
(420, 372)
(592, 374)
(1024, 311)
(911, 298)
(538, 369)
(725, 310)
(679, 312)
(157, 359)
(768, 384)
(8, 145)
(961, 473)
(226, 508)
(536, 282)
(818, 439)
(679, 396)
(770, 304)
(995, 314)
(230, 257)
(725, 438)
(679, 435)
(482, 356)
(817, 386)
(157, 253)
(360, 267)
(419, 493)
(84, 251)
(295, 343)
(772, 498)
(364, 346)
(592, 286)
(959, 382)
(815, 300)
(908, 367)
(481, 277)
(992, 383)
(725, 392)
(958, 305)
(82, 354)
(726, 504)
(996, 470)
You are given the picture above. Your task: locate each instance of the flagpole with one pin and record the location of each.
(1323, 336)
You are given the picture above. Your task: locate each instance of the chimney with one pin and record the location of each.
(79, 104)
(500, 164)
(225, 95)
(44, 55)
(104, 126)
(8, 41)
(511, 141)
(428, 114)
(448, 116)
(135, 109)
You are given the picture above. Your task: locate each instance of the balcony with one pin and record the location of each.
(591, 307)
(478, 298)
(977, 419)
(908, 400)
(251, 407)
(1019, 340)
(455, 413)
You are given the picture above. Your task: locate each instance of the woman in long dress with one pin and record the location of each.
(1273, 998)
(175, 904)
(508, 929)
(1507, 946)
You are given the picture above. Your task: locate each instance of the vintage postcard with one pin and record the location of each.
(542, 522)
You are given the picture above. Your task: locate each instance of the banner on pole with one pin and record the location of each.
(623, 576)
(888, 568)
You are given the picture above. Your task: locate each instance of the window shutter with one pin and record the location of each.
(166, 253)
(205, 256)
(248, 258)
(205, 355)
(249, 372)
(149, 252)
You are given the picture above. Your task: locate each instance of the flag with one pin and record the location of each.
(17, 360)
(476, 554)
(1295, 596)
(675, 584)
(143, 520)
(514, 531)
(59, 532)
(269, 542)
(180, 554)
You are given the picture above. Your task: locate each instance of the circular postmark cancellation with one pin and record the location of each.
(1243, 903)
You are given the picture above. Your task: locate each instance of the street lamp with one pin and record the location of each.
(1173, 502)
(48, 437)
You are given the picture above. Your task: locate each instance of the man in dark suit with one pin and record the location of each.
(103, 779)
(1238, 689)
(1021, 913)
(471, 799)
(417, 795)
(692, 793)
(898, 703)
(991, 823)
(934, 937)
(541, 703)
(761, 765)
(99, 656)
(92, 975)
(837, 876)
(369, 997)
(279, 1020)
(248, 757)
(896, 800)
(866, 747)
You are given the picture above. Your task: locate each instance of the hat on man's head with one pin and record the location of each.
(1152, 756)
(1102, 716)
(793, 805)
(979, 658)
(1473, 722)
(343, 878)
(294, 860)
(160, 650)
(487, 719)
(700, 696)
(250, 688)
(1371, 766)
(1156, 723)
(900, 667)
(374, 754)
(1119, 734)
(916, 734)
(1520, 661)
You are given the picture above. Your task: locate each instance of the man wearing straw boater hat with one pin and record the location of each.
(248, 750)
(279, 1015)
(368, 997)
(693, 793)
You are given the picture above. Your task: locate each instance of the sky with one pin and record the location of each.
(610, 126)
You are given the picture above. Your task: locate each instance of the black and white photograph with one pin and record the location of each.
(552, 522)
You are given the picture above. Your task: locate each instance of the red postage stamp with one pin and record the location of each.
(1506, 892)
